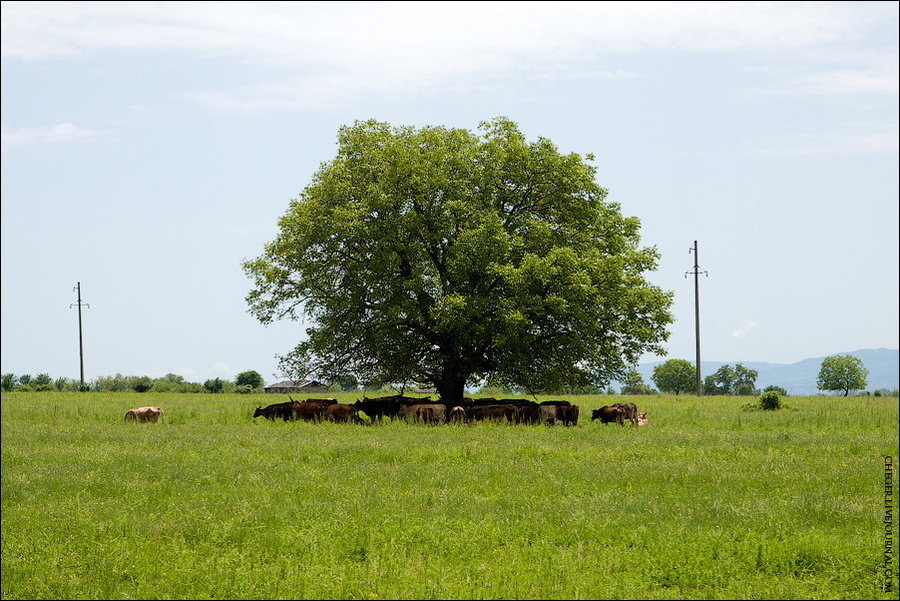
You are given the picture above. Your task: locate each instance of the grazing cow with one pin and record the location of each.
(495, 412)
(630, 411)
(144, 414)
(642, 419)
(567, 414)
(607, 414)
(530, 413)
(548, 414)
(341, 412)
(457, 415)
(310, 411)
(425, 412)
(283, 410)
(380, 407)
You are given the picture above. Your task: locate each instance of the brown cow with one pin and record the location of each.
(607, 414)
(144, 414)
(642, 419)
(342, 412)
(424, 412)
(457, 415)
(495, 412)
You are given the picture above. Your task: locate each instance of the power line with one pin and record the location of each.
(80, 344)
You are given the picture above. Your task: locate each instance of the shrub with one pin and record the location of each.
(770, 401)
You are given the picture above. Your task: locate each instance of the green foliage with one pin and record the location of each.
(440, 256)
(243, 389)
(781, 391)
(214, 386)
(675, 376)
(9, 382)
(142, 384)
(738, 380)
(770, 401)
(842, 372)
(249, 378)
(633, 384)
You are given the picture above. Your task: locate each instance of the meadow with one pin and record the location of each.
(706, 501)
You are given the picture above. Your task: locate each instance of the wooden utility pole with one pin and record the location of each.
(697, 273)
(80, 344)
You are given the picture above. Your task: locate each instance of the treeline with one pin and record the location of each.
(245, 382)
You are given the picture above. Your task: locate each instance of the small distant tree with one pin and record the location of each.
(842, 372)
(214, 386)
(249, 378)
(634, 383)
(772, 388)
(10, 381)
(142, 384)
(25, 380)
(675, 376)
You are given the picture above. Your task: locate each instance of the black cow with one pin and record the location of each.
(567, 414)
(283, 410)
(607, 414)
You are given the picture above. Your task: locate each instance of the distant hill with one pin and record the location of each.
(799, 378)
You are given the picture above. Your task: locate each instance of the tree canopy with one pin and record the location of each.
(842, 372)
(445, 257)
(675, 376)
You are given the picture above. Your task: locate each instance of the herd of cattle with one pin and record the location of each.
(418, 410)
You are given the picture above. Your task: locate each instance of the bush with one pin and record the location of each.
(770, 401)
(243, 389)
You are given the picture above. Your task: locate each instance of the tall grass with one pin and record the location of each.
(705, 501)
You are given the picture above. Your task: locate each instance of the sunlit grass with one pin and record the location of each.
(705, 501)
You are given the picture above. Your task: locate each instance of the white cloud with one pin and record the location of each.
(743, 330)
(64, 132)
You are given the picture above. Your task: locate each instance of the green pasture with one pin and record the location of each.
(706, 501)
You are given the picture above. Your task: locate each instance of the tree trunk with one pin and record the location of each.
(451, 390)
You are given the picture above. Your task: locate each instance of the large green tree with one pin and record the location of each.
(445, 257)
(842, 372)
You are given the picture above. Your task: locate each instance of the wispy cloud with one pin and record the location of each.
(64, 132)
(345, 48)
(743, 330)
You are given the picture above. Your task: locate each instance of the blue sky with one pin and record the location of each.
(149, 148)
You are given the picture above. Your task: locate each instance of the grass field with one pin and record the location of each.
(707, 501)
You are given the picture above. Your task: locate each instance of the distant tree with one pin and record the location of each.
(25, 380)
(772, 388)
(10, 381)
(142, 384)
(738, 380)
(745, 380)
(249, 378)
(675, 376)
(214, 386)
(634, 383)
(42, 382)
(842, 372)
